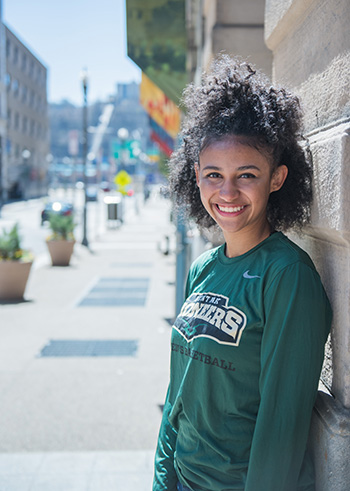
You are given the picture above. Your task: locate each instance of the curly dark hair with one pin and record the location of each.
(235, 99)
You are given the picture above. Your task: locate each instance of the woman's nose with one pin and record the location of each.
(229, 190)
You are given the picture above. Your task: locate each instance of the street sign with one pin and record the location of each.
(122, 178)
(127, 151)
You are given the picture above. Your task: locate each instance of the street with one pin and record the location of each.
(27, 214)
(74, 420)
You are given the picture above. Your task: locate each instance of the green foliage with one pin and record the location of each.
(163, 165)
(10, 245)
(62, 227)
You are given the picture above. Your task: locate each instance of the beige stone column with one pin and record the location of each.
(310, 42)
(234, 27)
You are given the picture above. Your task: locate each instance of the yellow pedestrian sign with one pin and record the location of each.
(122, 179)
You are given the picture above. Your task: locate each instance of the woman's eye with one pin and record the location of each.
(213, 175)
(247, 175)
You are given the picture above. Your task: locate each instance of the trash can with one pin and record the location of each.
(114, 209)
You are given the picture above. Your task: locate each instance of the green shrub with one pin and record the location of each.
(10, 245)
(62, 227)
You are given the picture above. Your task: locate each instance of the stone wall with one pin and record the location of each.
(310, 42)
(233, 27)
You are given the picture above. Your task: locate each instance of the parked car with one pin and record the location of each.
(58, 207)
(105, 186)
(91, 193)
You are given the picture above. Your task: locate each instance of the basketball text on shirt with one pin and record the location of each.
(209, 315)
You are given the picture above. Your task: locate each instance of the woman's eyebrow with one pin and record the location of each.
(242, 167)
(211, 166)
(248, 167)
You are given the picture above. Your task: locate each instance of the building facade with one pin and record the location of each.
(3, 110)
(27, 132)
(310, 43)
(237, 28)
(305, 44)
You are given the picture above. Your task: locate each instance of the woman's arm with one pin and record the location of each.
(297, 323)
(165, 478)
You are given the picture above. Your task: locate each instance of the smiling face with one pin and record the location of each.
(235, 181)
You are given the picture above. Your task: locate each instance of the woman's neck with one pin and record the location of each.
(239, 243)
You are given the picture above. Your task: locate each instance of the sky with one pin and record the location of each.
(70, 35)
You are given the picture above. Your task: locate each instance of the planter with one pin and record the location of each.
(60, 251)
(13, 279)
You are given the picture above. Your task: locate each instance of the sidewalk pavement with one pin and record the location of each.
(84, 363)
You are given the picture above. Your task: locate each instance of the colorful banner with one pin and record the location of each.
(161, 137)
(157, 42)
(159, 107)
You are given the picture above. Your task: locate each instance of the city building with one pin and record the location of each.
(125, 126)
(305, 45)
(3, 110)
(27, 134)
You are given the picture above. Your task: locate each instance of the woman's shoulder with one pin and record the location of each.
(287, 251)
(282, 255)
(207, 257)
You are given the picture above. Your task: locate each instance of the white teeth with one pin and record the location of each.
(230, 209)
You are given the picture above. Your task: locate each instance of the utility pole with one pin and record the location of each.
(84, 79)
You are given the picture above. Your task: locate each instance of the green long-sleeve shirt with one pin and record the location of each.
(247, 350)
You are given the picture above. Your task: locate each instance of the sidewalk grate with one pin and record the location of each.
(131, 265)
(117, 292)
(69, 347)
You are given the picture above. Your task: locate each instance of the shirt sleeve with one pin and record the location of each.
(297, 322)
(165, 478)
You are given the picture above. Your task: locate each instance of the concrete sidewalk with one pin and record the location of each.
(87, 418)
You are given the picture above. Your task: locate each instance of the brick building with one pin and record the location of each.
(24, 168)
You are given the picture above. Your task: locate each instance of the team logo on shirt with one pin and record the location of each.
(209, 315)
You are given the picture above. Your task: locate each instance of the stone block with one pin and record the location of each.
(311, 47)
(281, 16)
(330, 444)
(242, 12)
(331, 255)
(331, 160)
(245, 42)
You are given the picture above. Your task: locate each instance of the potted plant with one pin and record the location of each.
(15, 265)
(61, 242)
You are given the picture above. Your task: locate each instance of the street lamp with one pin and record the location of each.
(123, 135)
(1, 178)
(26, 156)
(85, 80)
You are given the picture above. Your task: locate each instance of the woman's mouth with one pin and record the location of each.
(230, 209)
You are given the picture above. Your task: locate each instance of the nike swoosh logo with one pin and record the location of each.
(248, 276)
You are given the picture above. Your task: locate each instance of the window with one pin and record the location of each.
(8, 81)
(32, 98)
(15, 55)
(16, 125)
(15, 86)
(25, 124)
(31, 69)
(24, 94)
(8, 146)
(24, 62)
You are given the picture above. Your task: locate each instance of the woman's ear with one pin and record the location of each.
(196, 169)
(278, 177)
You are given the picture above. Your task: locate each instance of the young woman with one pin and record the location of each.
(248, 344)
